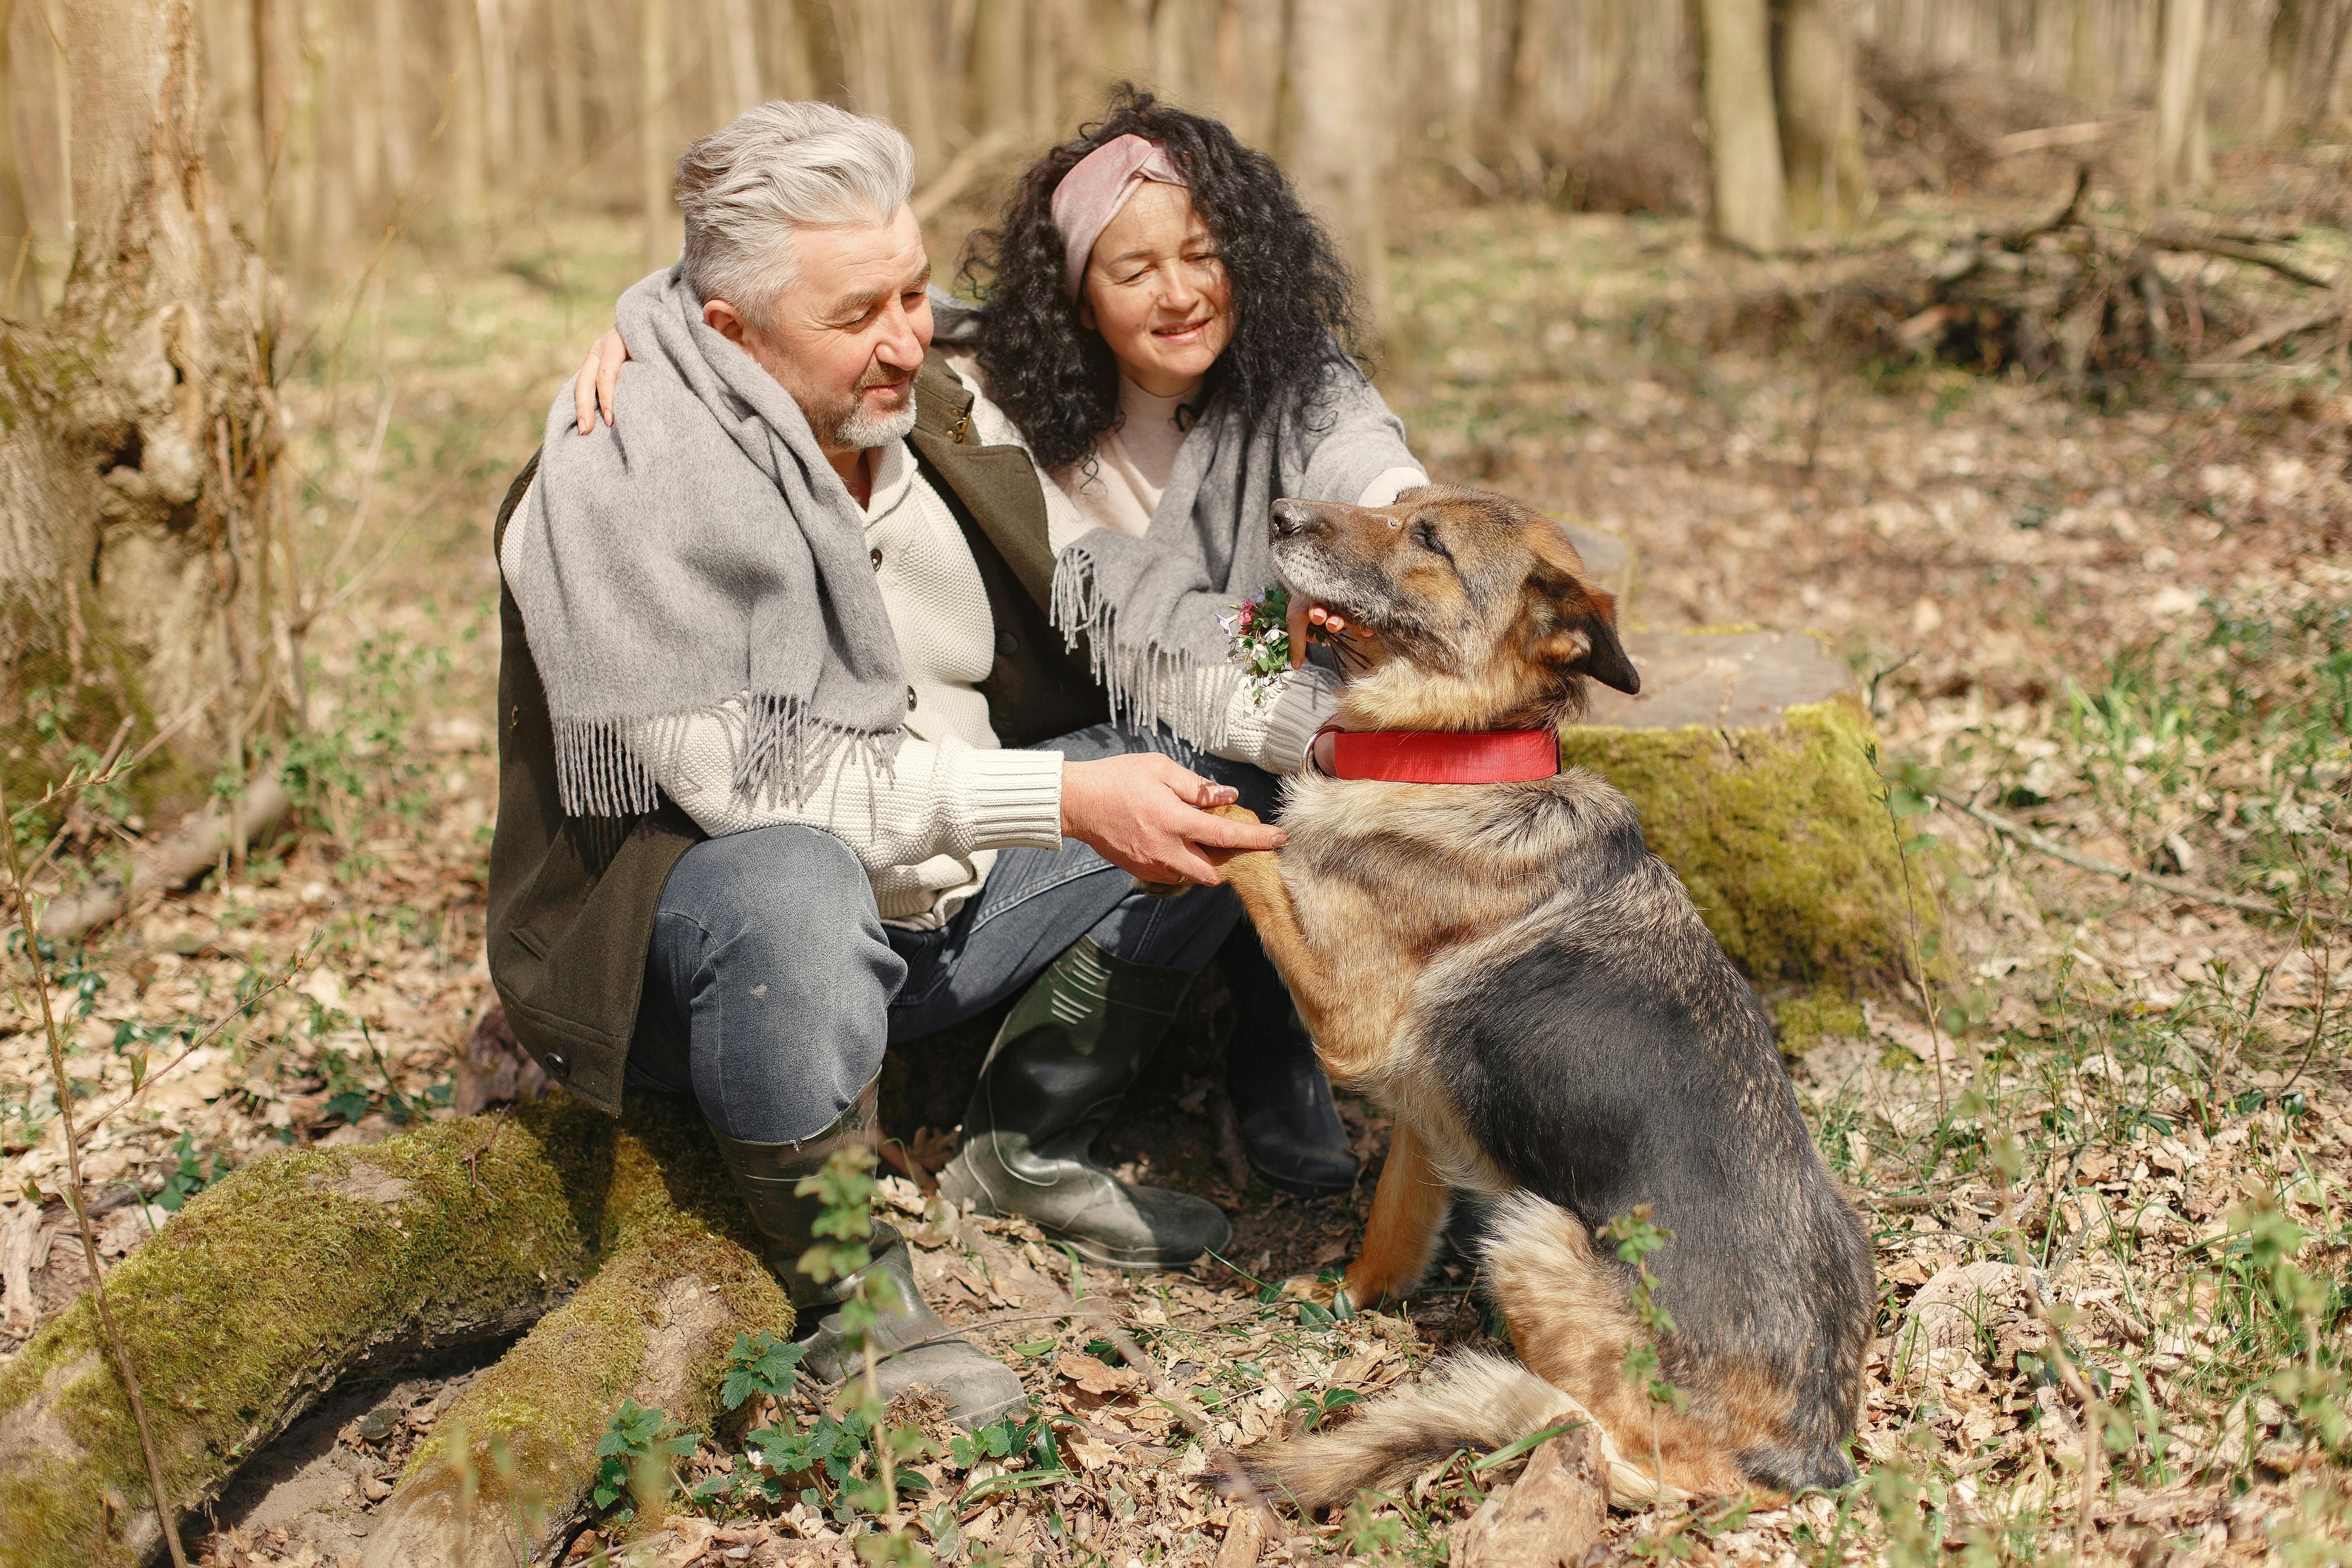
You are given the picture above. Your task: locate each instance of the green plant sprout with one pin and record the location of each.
(1636, 1237)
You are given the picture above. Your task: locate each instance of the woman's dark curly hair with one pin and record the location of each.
(1293, 303)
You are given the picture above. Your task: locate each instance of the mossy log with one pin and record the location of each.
(1749, 756)
(508, 1468)
(303, 1267)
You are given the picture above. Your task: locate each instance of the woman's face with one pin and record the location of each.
(1157, 291)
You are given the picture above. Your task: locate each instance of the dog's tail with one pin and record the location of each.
(1469, 1401)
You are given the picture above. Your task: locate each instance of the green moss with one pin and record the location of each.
(520, 1445)
(1804, 1018)
(1779, 835)
(263, 1290)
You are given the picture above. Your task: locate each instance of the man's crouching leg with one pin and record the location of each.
(767, 990)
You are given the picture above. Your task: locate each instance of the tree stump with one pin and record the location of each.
(1749, 756)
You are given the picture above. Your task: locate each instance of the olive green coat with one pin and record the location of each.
(573, 898)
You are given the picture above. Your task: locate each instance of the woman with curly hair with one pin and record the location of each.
(1171, 334)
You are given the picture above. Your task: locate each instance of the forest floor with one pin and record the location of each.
(2127, 624)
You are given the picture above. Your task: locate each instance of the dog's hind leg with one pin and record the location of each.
(1571, 1318)
(1407, 1210)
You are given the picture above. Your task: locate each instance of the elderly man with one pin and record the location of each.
(792, 765)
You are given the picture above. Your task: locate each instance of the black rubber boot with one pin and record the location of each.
(1280, 1096)
(1066, 1057)
(916, 1344)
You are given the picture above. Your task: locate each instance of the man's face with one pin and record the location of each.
(846, 339)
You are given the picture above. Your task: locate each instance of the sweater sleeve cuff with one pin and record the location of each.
(1014, 798)
(1306, 705)
(1390, 483)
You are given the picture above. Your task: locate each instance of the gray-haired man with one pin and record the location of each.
(794, 766)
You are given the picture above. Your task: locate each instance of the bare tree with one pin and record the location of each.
(2280, 51)
(656, 156)
(1336, 148)
(1751, 191)
(2183, 163)
(133, 446)
(22, 293)
(1820, 116)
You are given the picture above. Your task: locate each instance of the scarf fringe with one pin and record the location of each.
(613, 767)
(1148, 684)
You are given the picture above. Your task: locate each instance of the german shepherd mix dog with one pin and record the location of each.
(1530, 994)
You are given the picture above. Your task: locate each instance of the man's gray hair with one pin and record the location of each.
(781, 166)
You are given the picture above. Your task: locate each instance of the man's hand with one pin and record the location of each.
(600, 375)
(1147, 814)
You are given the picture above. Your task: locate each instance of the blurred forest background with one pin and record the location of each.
(2005, 344)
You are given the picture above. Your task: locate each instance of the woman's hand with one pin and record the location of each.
(1148, 815)
(1304, 615)
(600, 374)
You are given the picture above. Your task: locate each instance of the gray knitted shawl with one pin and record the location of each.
(1150, 606)
(701, 550)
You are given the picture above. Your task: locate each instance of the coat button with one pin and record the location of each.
(910, 700)
(1007, 643)
(556, 1063)
(874, 555)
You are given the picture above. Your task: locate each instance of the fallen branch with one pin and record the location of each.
(2043, 843)
(186, 853)
(2264, 336)
(2166, 236)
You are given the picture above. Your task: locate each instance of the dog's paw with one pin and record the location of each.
(1233, 812)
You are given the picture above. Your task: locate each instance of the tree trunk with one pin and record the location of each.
(1337, 148)
(465, 133)
(1000, 66)
(657, 158)
(2182, 163)
(133, 444)
(1820, 117)
(20, 296)
(2278, 67)
(1249, 68)
(1750, 190)
(742, 63)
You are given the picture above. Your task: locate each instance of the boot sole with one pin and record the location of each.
(1095, 1252)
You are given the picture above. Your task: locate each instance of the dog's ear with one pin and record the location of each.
(1582, 633)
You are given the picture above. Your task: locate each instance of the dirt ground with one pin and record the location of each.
(2123, 624)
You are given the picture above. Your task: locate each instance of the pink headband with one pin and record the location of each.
(1093, 191)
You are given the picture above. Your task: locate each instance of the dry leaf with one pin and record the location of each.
(1092, 1375)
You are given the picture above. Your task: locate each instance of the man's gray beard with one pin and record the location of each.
(862, 429)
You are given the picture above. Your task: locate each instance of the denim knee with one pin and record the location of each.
(769, 966)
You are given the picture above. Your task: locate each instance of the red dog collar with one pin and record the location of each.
(1444, 756)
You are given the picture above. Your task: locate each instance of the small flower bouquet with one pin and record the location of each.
(1260, 630)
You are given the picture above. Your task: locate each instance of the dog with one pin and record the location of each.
(1532, 997)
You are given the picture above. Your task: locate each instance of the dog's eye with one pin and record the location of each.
(1424, 535)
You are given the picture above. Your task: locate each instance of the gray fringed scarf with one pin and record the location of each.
(1150, 606)
(701, 550)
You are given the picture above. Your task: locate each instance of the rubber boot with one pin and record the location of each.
(1067, 1054)
(1280, 1097)
(914, 1342)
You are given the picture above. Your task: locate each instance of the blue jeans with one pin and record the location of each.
(772, 987)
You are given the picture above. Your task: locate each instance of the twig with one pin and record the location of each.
(2045, 844)
(242, 1009)
(2077, 1387)
(1236, 1475)
(167, 1525)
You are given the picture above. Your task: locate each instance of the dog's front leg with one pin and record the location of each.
(1407, 1209)
(1256, 875)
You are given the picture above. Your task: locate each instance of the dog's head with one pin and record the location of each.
(1483, 616)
